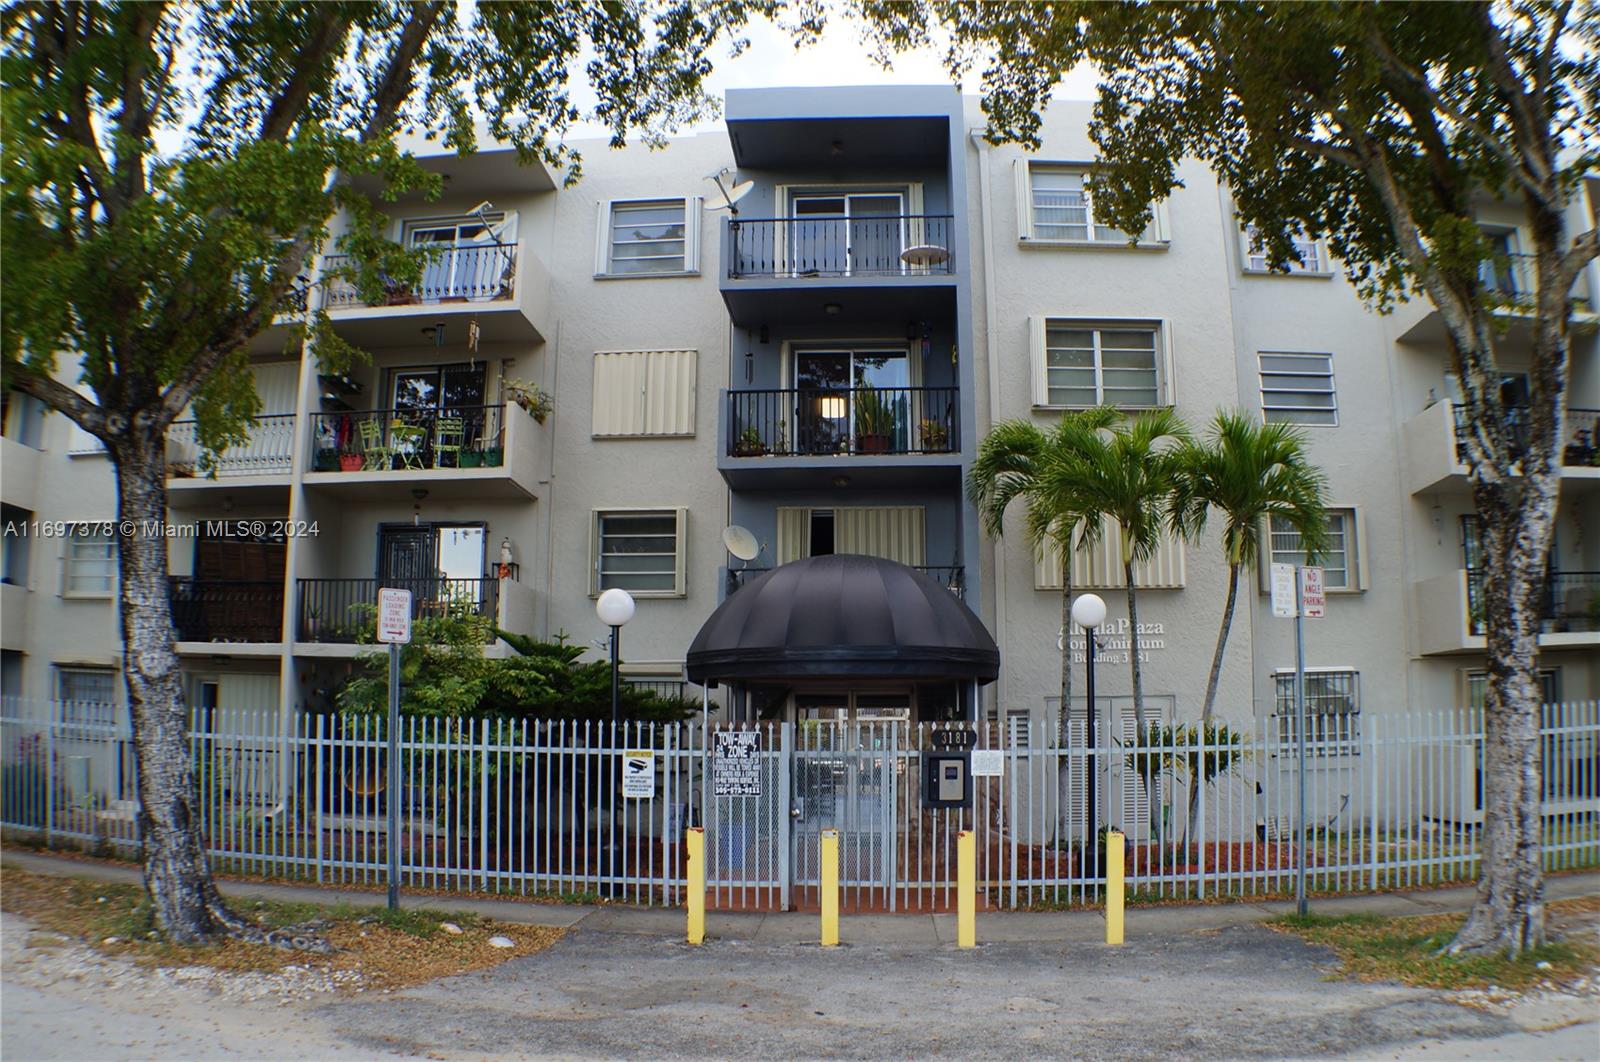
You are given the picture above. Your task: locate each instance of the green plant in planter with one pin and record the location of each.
(493, 457)
(749, 443)
(531, 397)
(875, 421)
(326, 460)
(469, 458)
(935, 435)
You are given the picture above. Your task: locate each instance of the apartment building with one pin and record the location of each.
(817, 366)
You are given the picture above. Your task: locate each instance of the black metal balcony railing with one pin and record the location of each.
(345, 610)
(269, 450)
(909, 245)
(400, 439)
(852, 420)
(211, 610)
(1580, 449)
(1570, 601)
(471, 273)
(953, 578)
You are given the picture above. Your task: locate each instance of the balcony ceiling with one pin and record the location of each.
(808, 144)
(863, 301)
(480, 174)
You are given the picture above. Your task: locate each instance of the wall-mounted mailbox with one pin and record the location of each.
(946, 780)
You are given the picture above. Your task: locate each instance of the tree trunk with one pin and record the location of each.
(1211, 687)
(1147, 777)
(187, 907)
(1064, 715)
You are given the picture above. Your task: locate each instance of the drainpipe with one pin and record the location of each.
(990, 342)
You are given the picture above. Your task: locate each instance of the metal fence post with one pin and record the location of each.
(317, 811)
(483, 807)
(783, 800)
(50, 773)
(1372, 805)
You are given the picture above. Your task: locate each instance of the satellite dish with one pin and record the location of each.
(730, 195)
(741, 543)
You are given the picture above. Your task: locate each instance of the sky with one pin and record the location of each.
(841, 57)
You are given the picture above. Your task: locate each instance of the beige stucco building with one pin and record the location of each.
(817, 368)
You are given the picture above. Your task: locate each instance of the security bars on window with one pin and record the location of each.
(1089, 366)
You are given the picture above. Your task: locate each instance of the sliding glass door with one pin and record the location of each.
(849, 234)
(852, 400)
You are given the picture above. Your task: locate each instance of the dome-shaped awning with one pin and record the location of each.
(842, 616)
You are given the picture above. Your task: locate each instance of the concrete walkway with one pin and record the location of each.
(797, 927)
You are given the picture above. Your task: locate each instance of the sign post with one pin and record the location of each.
(394, 629)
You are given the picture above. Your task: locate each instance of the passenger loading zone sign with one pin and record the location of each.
(394, 616)
(736, 763)
(639, 774)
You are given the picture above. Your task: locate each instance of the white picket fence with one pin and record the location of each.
(534, 808)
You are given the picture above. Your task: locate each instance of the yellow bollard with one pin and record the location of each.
(1114, 887)
(830, 888)
(697, 885)
(966, 889)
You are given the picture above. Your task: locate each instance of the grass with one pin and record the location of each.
(373, 947)
(1372, 948)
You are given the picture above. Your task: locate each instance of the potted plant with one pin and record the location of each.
(531, 397)
(875, 422)
(749, 444)
(935, 436)
(469, 459)
(493, 455)
(326, 460)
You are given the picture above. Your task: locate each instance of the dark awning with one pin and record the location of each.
(842, 616)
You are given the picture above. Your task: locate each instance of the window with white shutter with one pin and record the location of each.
(644, 393)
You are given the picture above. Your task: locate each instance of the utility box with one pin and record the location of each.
(947, 779)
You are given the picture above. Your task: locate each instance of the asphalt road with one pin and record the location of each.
(1242, 992)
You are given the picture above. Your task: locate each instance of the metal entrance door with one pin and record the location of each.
(843, 778)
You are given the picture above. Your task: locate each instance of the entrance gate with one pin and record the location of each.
(763, 850)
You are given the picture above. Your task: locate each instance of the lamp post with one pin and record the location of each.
(1088, 612)
(615, 608)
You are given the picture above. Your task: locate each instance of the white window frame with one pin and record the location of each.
(1344, 740)
(1254, 262)
(1039, 327)
(86, 713)
(692, 206)
(1156, 236)
(69, 560)
(1288, 413)
(679, 553)
(1355, 542)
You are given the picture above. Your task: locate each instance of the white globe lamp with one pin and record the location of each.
(1088, 611)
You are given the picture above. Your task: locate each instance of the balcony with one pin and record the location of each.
(1436, 453)
(953, 579)
(210, 611)
(901, 435)
(344, 611)
(265, 460)
(1513, 282)
(501, 286)
(872, 267)
(466, 451)
(1450, 612)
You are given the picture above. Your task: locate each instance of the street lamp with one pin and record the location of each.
(615, 608)
(1088, 612)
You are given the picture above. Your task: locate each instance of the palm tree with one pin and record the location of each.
(1127, 473)
(1020, 460)
(1250, 474)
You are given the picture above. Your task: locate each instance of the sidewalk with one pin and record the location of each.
(797, 927)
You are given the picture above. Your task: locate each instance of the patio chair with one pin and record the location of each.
(407, 441)
(449, 435)
(375, 454)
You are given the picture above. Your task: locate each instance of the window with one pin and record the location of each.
(1056, 205)
(88, 695)
(649, 236)
(1340, 561)
(1098, 565)
(90, 563)
(1309, 250)
(644, 392)
(1333, 711)
(1478, 688)
(21, 418)
(1298, 388)
(1078, 364)
(16, 545)
(640, 551)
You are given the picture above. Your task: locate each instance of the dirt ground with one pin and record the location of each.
(1242, 992)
